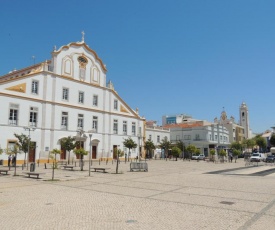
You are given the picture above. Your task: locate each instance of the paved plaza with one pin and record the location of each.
(171, 195)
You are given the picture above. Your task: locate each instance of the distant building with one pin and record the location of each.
(202, 134)
(244, 120)
(156, 134)
(175, 119)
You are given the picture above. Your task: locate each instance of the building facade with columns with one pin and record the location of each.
(66, 96)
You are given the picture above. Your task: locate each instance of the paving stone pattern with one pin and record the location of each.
(171, 195)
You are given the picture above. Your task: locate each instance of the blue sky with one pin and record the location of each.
(164, 57)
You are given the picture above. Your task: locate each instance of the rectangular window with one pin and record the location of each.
(150, 137)
(13, 116)
(133, 128)
(95, 124)
(64, 120)
(187, 137)
(124, 127)
(158, 138)
(210, 137)
(216, 137)
(95, 100)
(115, 127)
(115, 105)
(81, 97)
(65, 94)
(33, 117)
(197, 136)
(11, 146)
(35, 87)
(80, 121)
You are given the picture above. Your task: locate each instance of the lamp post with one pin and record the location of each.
(28, 129)
(90, 135)
(81, 134)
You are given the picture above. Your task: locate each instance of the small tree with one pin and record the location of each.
(14, 150)
(24, 144)
(236, 145)
(68, 143)
(149, 146)
(222, 154)
(250, 143)
(261, 142)
(118, 153)
(272, 140)
(212, 154)
(54, 152)
(166, 145)
(81, 152)
(130, 144)
(180, 145)
(176, 152)
(236, 153)
(191, 149)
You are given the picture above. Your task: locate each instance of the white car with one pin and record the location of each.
(198, 157)
(257, 157)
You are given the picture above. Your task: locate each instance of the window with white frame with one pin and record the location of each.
(115, 105)
(64, 120)
(81, 97)
(158, 138)
(95, 100)
(65, 94)
(197, 136)
(210, 137)
(115, 127)
(150, 137)
(35, 87)
(13, 116)
(133, 128)
(216, 137)
(124, 127)
(187, 137)
(33, 117)
(95, 121)
(11, 146)
(80, 121)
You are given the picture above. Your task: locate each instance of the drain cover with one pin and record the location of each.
(131, 221)
(227, 202)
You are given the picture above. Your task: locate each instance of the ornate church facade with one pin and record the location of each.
(67, 96)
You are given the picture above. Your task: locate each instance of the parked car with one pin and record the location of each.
(198, 157)
(257, 157)
(270, 159)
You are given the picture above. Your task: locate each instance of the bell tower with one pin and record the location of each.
(244, 120)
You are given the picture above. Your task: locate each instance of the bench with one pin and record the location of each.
(68, 167)
(4, 171)
(141, 166)
(100, 169)
(33, 174)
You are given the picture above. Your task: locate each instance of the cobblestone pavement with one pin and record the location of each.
(171, 195)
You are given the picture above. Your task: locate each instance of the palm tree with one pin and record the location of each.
(166, 145)
(54, 151)
(81, 152)
(149, 146)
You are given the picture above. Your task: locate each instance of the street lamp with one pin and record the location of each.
(90, 135)
(28, 129)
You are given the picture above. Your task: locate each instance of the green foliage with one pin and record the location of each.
(198, 151)
(180, 144)
(165, 144)
(118, 152)
(222, 153)
(129, 143)
(250, 143)
(80, 152)
(236, 145)
(191, 149)
(149, 146)
(24, 142)
(260, 141)
(212, 152)
(176, 151)
(68, 143)
(272, 140)
(1, 151)
(236, 152)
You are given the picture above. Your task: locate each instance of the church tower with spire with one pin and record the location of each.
(244, 120)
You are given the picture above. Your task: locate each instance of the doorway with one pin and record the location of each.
(32, 152)
(114, 151)
(93, 152)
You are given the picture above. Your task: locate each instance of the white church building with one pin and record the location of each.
(66, 96)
